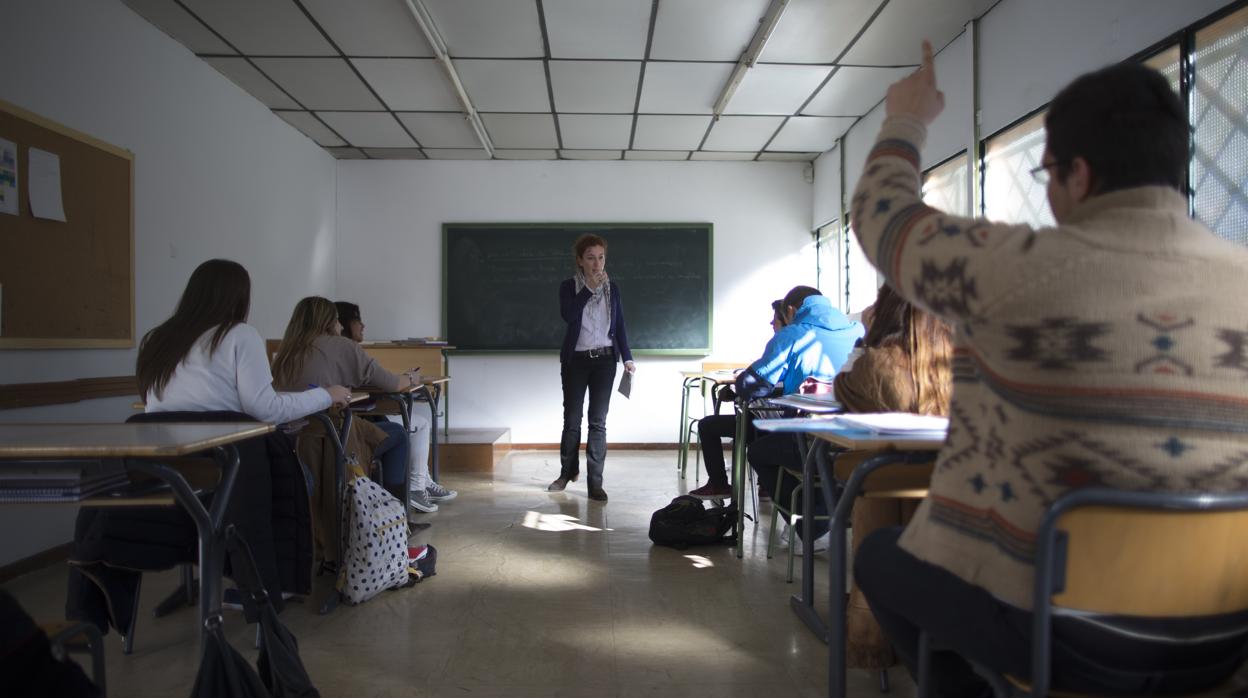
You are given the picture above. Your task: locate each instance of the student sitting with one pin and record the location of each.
(814, 345)
(713, 429)
(904, 366)
(202, 364)
(425, 493)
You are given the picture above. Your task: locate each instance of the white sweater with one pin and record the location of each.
(235, 378)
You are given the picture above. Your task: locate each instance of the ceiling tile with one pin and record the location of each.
(505, 85)
(705, 30)
(788, 157)
(854, 91)
(521, 130)
(457, 154)
(263, 27)
(597, 28)
(709, 155)
(311, 127)
(394, 153)
(253, 81)
(741, 132)
(417, 84)
(441, 130)
(817, 31)
(601, 87)
(807, 133)
(670, 132)
(488, 28)
(682, 88)
(368, 129)
(590, 154)
(589, 131)
(526, 154)
(370, 27)
(347, 153)
(170, 18)
(319, 83)
(656, 155)
(776, 89)
(894, 38)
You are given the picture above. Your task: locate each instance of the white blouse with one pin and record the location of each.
(235, 378)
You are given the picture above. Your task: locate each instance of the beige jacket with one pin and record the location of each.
(1108, 351)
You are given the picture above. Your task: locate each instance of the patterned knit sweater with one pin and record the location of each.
(1111, 351)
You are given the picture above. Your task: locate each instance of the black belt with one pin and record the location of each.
(594, 353)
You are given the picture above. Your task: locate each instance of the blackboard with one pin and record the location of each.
(502, 284)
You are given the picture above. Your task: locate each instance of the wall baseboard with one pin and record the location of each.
(635, 446)
(15, 395)
(35, 562)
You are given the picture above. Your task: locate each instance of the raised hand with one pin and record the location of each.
(916, 95)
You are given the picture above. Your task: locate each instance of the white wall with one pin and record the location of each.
(390, 254)
(216, 174)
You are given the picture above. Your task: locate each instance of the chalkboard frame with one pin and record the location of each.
(590, 227)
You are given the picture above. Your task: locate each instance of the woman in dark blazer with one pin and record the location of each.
(596, 339)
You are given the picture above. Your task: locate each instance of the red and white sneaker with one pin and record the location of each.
(710, 491)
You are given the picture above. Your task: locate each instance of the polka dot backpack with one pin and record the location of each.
(376, 542)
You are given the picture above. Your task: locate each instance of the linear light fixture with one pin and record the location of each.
(766, 26)
(425, 20)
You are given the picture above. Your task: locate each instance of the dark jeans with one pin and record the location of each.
(767, 455)
(712, 430)
(907, 595)
(597, 376)
(394, 453)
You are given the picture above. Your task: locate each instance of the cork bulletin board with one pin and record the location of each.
(68, 284)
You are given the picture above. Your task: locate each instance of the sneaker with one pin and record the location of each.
(821, 544)
(438, 493)
(420, 501)
(711, 491)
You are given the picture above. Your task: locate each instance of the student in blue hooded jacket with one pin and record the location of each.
(596, 339)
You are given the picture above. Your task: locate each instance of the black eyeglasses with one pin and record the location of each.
(1041, 173)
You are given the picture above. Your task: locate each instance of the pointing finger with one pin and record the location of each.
(928, 67)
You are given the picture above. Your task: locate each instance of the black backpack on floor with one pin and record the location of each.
(687, 522)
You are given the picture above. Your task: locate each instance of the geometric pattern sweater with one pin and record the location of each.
(1109, 351)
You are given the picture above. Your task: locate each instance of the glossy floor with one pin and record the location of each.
(537, 594)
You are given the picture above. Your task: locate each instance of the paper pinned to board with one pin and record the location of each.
(43, 185)
(8, 177)
(626, 384)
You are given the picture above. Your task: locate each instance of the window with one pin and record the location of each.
(944, 186)
(1219, 117)
(1011, 194)
(829, 248)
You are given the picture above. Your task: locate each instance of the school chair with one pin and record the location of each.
(69, 637)
(1116, 557)
(689, 423)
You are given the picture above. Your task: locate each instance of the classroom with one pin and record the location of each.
(379, 152)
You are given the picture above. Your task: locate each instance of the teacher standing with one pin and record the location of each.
(594, 342)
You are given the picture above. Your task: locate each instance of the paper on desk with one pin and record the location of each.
(803, 425)
(895, 422)
(43, 184)
(8, 177)
(626, 384)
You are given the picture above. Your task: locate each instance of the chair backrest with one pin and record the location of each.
(1155, 562)
(270, 348)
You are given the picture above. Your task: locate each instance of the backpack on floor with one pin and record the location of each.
(375, 545)
(686, 521)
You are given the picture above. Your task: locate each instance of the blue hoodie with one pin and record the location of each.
(815, 344)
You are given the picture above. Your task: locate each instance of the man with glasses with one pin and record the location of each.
(1109, 351)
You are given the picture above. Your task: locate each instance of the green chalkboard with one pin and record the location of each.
(502, 284)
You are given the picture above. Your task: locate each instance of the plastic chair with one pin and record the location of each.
(1118, 556)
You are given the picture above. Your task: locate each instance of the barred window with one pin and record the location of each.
(1011, 195)
(944, 186)
(1219, 110)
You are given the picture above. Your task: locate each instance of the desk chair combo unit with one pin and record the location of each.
(712, 375)
(1118, 557)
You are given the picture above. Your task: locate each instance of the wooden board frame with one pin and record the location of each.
(17, 342)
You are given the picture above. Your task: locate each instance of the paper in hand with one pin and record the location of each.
(626, 384)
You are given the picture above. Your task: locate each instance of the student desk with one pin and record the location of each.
(431, 388)
(400, 357)
(890, 448)
(151, 449)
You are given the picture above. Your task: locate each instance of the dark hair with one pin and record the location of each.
(795, 297)
(346, 313)
(1128, 125)
(218, 295)
(777, 310)
(927, 342)
(586, 241)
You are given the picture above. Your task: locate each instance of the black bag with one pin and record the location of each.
(687, 522)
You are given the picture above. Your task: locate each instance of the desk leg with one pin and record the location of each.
(209, 524)
(739, 481)
(446, 416)
(682, 437)
(434, 394)
(803, 603)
